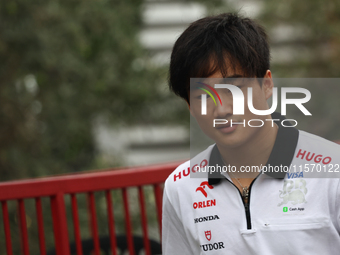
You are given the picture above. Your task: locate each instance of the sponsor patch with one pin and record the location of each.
(293, 192)
(204, 204)
(208, 235)
(206, 218)
(212, 246)
(202, 186)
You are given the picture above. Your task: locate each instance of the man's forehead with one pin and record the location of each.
(235, 79)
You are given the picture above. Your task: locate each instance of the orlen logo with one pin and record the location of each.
(207, 203)
(202, 188)
(238, 99)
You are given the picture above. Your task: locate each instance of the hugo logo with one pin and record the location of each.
(310, 156)
(202, 188)
(238, 99)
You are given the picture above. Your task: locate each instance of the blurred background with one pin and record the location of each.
(83, 86)
(84, 82)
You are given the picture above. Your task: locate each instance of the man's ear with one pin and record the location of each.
(189, 108)
(268, 84)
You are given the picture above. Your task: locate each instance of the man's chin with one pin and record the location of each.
(231, 143)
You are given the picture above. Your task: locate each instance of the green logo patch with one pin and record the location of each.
(285, 209)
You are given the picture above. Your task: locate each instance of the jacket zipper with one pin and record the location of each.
(246, 204)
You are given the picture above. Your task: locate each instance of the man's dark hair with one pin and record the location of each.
(217, 43)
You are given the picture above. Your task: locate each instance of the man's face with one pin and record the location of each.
(236, 135)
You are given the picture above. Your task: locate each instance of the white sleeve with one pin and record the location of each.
(174, 240)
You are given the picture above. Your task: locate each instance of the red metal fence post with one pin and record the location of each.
(23, 227)
(40, 221)
(76, 227)
(93, 223)
(144, 221)
(61, 239)
(112, 230)
(128, 223)
(7, 228)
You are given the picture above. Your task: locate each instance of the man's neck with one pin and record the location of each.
(254, 153)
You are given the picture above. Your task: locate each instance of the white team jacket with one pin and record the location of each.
(288, 213)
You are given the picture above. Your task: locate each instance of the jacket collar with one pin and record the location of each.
(282, 153)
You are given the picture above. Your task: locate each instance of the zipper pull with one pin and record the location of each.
(246, 206)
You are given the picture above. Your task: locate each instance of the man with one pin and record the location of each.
(275, 210)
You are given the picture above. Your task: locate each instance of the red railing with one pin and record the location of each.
(57, 188)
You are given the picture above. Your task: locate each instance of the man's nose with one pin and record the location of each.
(224, 110)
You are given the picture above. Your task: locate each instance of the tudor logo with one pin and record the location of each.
(206, 218)
(208, 235)
(213, 246)
(202, 188)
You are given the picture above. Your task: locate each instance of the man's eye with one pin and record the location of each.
(238, 86)
(201, 96)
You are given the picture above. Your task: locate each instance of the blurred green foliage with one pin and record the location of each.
(66, 63)
(63, 63)
(317, 25)
(313, 47)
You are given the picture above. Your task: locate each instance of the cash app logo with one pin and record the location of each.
(285, 209)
